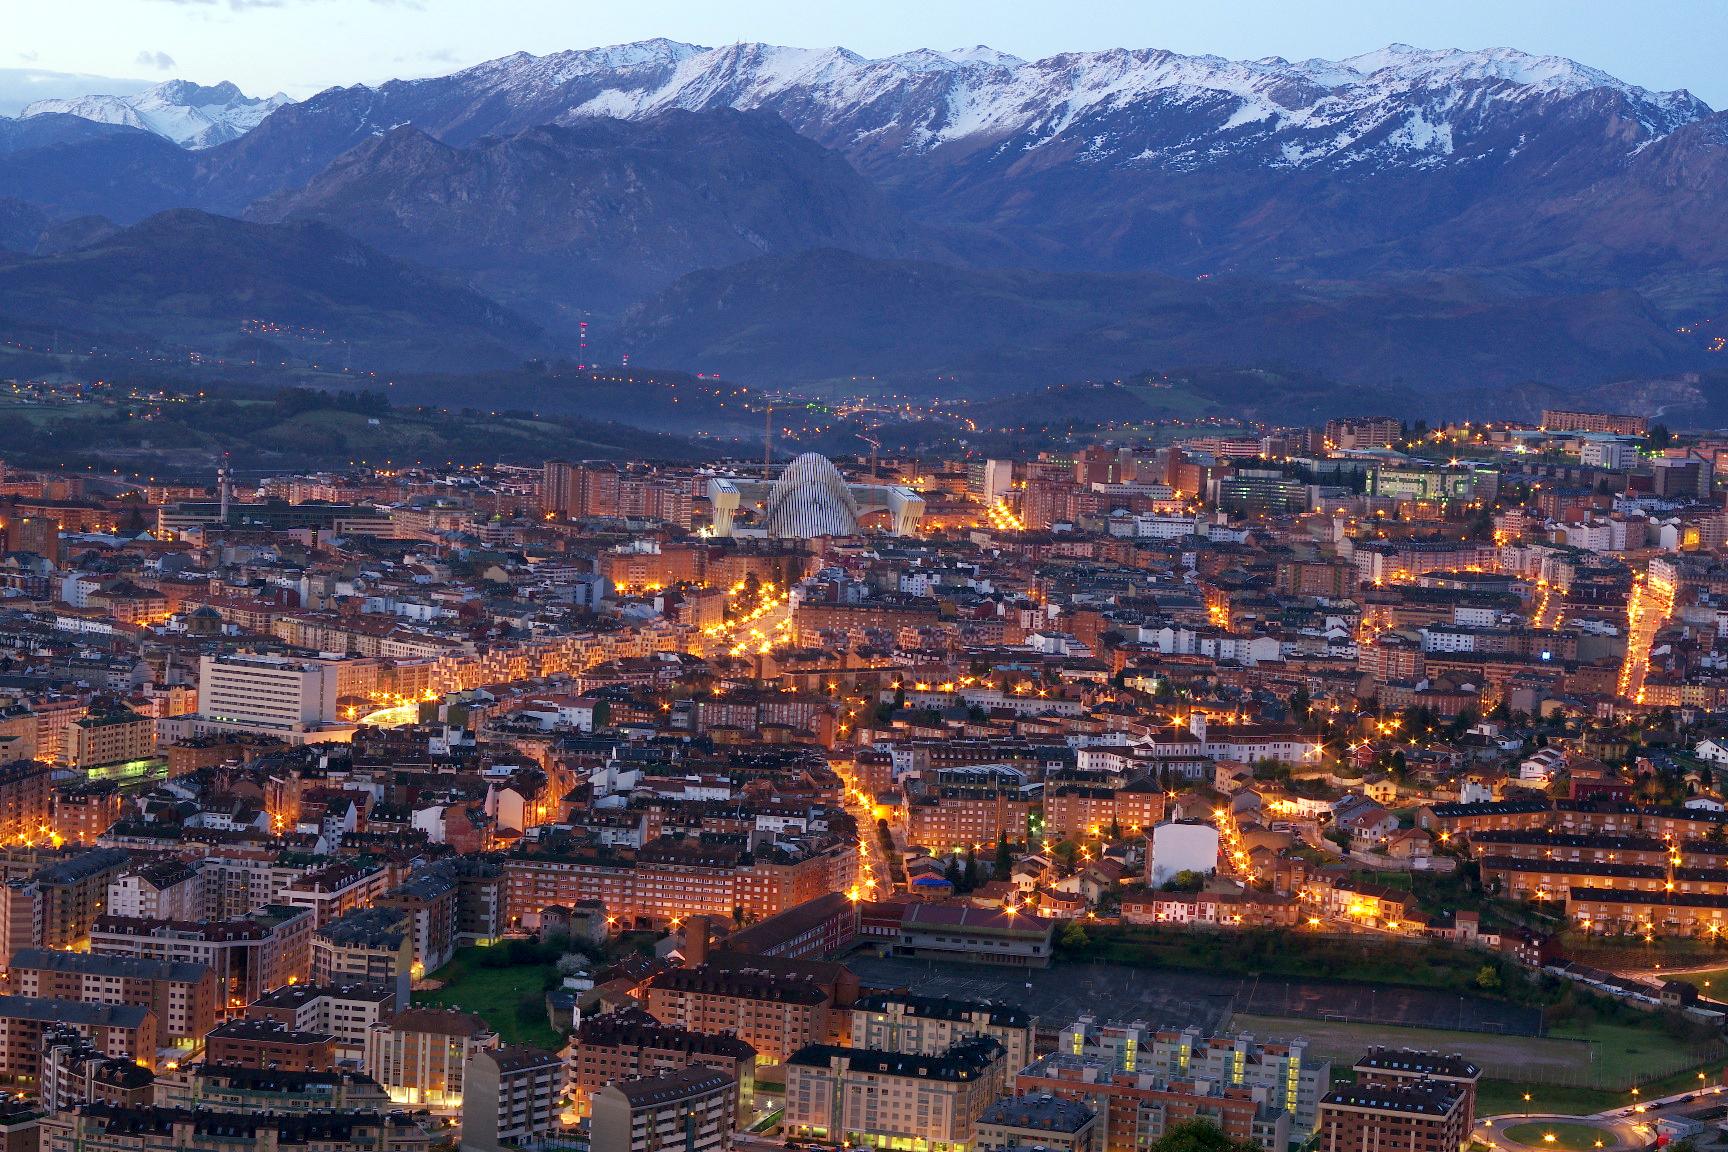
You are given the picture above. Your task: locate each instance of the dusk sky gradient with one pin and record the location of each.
(301, 46)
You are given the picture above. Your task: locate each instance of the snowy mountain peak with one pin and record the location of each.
(984, 54)
(1398, 105)
(191, 115)
(1409, 104)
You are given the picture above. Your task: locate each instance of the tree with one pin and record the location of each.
(1004, 856)
(1185, 881)
(1199, 1136)
(1488, 978)
(951, 872)
(1073, 938)
(969, 877)
(1300, 703)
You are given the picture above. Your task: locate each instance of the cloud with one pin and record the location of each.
(160, 61)
(27, 57)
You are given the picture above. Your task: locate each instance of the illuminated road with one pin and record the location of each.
(761, 630)
(1550, 606)
(1648, 607)
(1001, 517)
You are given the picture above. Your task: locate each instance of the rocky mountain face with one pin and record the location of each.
(1525, 206)
(600, 213)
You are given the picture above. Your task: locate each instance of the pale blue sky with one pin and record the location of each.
(303, 45)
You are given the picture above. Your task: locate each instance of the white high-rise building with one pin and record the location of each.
(267, 693)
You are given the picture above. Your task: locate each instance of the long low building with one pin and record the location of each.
(110, 1128)
(670, 879)
(1614, 912)
(977, 935)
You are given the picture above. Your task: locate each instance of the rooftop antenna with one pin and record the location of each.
(768, 443)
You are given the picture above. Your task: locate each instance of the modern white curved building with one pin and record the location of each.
(811, 499)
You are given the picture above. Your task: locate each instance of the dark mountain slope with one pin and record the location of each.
(825, 315)
(190, 280)
(600, 214)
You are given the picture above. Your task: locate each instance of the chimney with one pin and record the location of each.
(695, 940)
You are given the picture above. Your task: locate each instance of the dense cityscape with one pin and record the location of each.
(1352, 787)
(969, 577)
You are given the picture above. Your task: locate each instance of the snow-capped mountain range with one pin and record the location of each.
(1417, 105)
(1404, 104)
(192, 115)
(1552, 216)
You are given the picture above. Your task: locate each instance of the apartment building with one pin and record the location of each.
(249, 956)
(887, 1099)
(336, 889)
(267, 1044)
(970, 805)
(182, 995)
(26, 800)
(118, 1031)
(231, 1088)
(1291, 1077)
(431, 901)
(370, 944)
(346, 1011)
(1412, 1115)
(510, 1097)
(114, 1128)
(1396, 1066)
(1139, 1107)
(420, 1055)
(1040, 1120)
(775, 1014)
(75, 1071)
(903, 1022)
(672, 878)
(688, 1111)
(630, 1044)
(73, 892)
(160, 890)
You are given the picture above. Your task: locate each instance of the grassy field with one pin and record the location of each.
(1568, 1137)
(1712, 982)
(1345, 1042)
(1362, 959)
(1502, 1097)
(511, 1000)
(1569, 1072)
